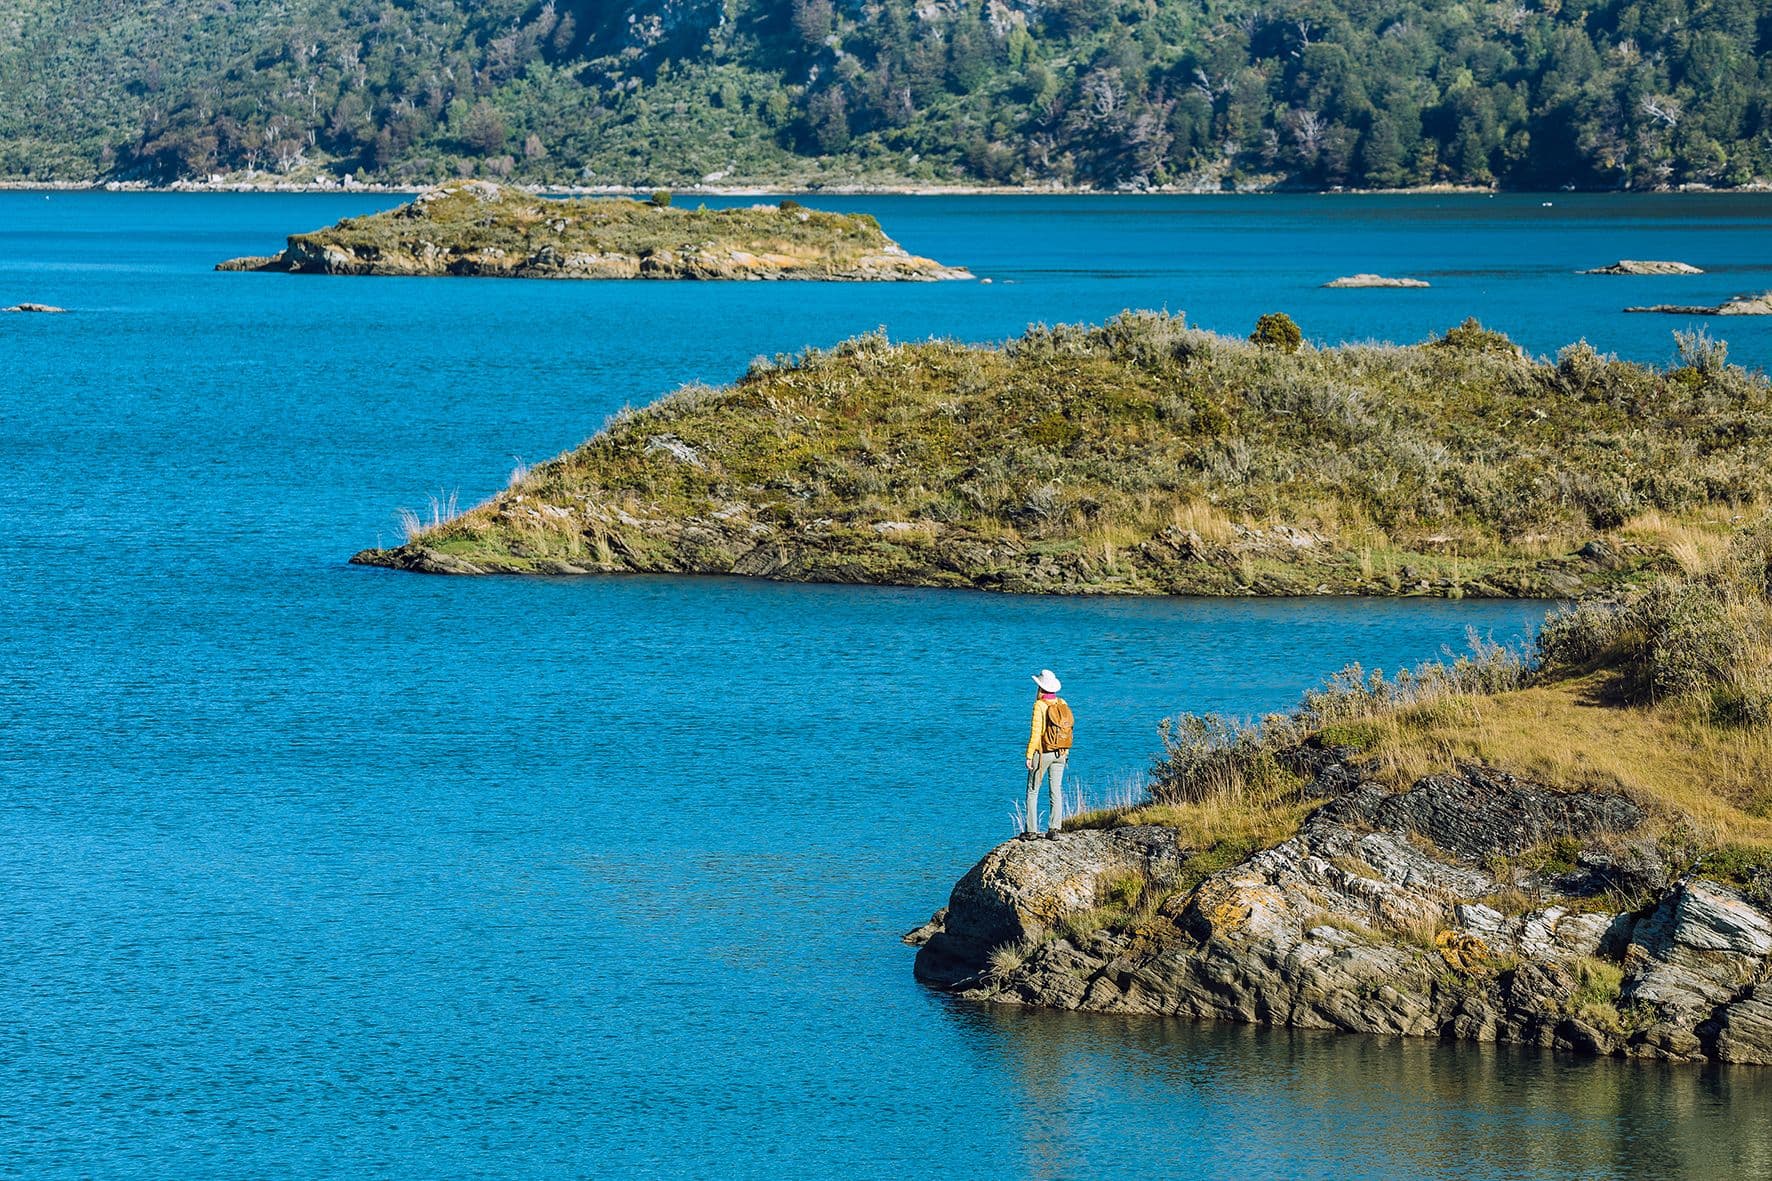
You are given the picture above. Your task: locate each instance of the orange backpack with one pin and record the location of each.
(1059, 719)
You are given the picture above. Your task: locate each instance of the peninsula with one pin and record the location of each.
(489, 230)
(1569, 848)
(1147, 457)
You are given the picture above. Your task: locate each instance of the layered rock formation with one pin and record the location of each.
(1473, 906)
(475, 228)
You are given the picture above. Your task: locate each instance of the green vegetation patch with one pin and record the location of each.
(479, 216)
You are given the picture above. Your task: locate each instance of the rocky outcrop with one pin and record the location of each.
(46, 308)
(1634, 266)
(475, 228)
(1473, 906)
(1740, 305)
(1365, 279)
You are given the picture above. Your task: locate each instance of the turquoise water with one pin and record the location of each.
(311, 870)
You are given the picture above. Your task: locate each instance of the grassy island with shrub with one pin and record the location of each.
(1147, 457)
(478, 228)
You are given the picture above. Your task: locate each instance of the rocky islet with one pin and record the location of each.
(1366, 279)
(1740, 305)
(1637, 266)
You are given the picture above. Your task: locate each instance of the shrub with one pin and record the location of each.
(1211, 757)
(788, 205)
(1579, 367)
(661, 199)
(1472, 337)
(1701, 353)
(1007, 957)
(1704, 640)
(1214, 757)
(1276, 330)
(1595, 998)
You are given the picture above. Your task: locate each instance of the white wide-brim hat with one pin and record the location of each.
(1047, 681)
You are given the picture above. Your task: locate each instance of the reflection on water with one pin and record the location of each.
(1250, 1101)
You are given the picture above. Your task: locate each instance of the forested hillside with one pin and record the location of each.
(1107, 93)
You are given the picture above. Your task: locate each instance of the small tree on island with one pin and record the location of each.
(1277, 331)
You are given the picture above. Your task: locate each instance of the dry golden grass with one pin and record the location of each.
(1695, 541)
(1222, 819)
(1209, 521)
(1716, 780)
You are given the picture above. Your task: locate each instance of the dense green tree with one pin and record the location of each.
(1115, 93)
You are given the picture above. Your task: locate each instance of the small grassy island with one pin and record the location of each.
(489, 230)
(1569, 846)
(1146, 457)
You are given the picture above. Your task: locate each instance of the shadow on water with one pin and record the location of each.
(1251, 1101)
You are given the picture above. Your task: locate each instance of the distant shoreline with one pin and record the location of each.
(849, 190)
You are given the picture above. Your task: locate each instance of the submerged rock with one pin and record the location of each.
(1365, 279)
(1633, 266)
(1400, 913)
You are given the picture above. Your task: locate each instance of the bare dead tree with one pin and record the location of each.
(1663, 109)
(1104, 95)
(1206, 87)
(1308, 130)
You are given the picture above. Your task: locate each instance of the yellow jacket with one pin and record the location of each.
(1038, 731)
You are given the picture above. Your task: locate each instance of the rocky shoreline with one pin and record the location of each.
(1472, 907)
(479, 229)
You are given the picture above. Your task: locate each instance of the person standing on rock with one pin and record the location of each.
(1049, 748)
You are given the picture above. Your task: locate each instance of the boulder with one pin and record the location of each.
(1699, 947)
(1024, 887)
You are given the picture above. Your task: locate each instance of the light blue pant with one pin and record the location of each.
(1052, 762)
